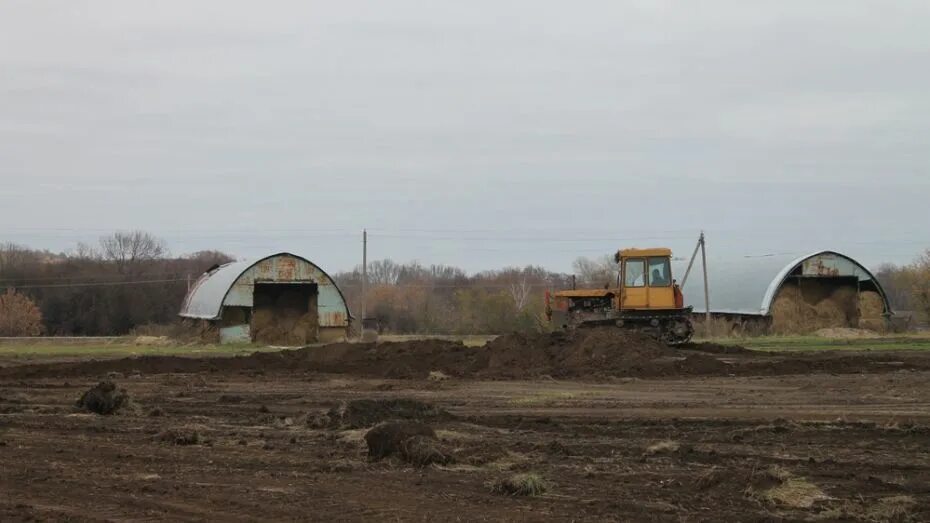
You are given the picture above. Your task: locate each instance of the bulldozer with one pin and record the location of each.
(645, 299)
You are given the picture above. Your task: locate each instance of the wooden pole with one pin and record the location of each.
(706, 286)
(693, 257)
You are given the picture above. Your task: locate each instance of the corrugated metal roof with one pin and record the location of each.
(749, 285)
(232, 285)
(205, 299)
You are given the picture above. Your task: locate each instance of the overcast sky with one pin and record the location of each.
(474, 133)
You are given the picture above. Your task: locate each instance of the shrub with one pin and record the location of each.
(19, 315)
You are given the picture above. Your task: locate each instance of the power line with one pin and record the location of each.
(96, 284)
(82, 279)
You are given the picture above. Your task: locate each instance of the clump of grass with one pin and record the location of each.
(710, 478)
(422, 451)
(186, 435)
(895, 508)
(509, 461)
(778, 486)
(528, 484)
(663, 447)
(437, 376)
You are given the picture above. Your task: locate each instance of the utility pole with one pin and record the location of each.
(706, 286)
(701, 245)
(364, 272)
(693, 257)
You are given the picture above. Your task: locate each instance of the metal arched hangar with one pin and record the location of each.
(824, 289)
(282, 299)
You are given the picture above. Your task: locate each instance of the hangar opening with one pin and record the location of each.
(285, 314)
(822, 290)
(278, 300)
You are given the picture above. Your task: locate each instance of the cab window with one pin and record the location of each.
(659, 272)
(634, 274)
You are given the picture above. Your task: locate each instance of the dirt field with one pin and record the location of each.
(708, 433)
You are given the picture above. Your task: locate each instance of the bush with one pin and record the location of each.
(19, 315)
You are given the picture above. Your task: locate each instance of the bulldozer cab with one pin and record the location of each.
(646, 280)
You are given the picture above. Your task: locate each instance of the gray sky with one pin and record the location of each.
(472, 133)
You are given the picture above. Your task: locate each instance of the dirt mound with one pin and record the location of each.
(389, 439)
(583, 353)
(106, 399)
(586, 353)
(362, 413)
(602, 351)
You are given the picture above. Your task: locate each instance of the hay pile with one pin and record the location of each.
(871, 311)
(816, 305)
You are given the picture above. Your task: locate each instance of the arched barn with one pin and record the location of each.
(282, 299)
(824, 289)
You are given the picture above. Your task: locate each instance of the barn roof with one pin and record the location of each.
(208, 295)
(749, 285)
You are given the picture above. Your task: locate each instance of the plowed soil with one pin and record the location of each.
(619, 428)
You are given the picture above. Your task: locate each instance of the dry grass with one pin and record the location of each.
(895, 508)
(528, 484)
(438, 375)
(787, 490)
(421, 451)
(186, 435)
(546, 399)
(663, 447)
(508, 462)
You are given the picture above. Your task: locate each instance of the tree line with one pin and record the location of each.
(908, 286)
(127, 280)
(130, 279)
(414, 298)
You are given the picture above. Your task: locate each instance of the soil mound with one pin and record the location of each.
(388, 439)
(716, 348)
(106, 399)
(367, 412)
(585, 352)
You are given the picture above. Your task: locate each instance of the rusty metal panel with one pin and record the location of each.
(832, 265)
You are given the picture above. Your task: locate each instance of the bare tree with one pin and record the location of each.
(520, 291)
(15, 257)
(599, 272)
(383, 272)
(85, 252)
(209, 258)
(128, 249)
